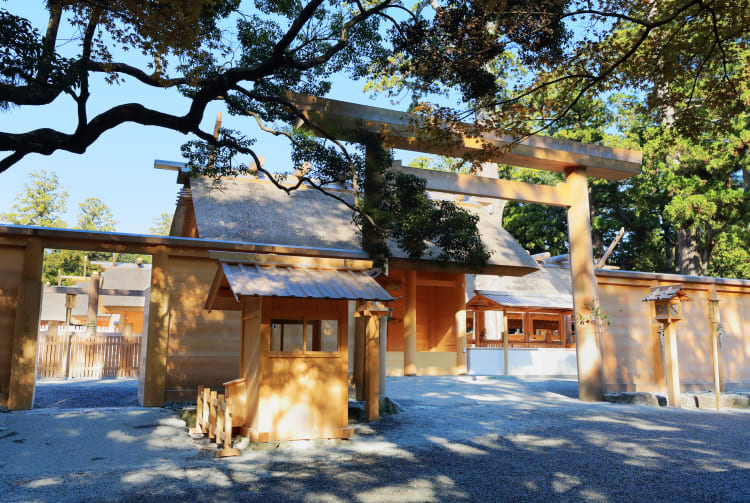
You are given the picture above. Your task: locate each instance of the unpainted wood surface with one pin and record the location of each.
(11, 266)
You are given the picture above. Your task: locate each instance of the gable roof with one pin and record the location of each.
(492, 300)
(252, 210)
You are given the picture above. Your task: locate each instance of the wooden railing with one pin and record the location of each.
(498, 344)
(213, 417)
(78, 355)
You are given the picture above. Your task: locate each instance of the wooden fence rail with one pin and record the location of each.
(78, 355)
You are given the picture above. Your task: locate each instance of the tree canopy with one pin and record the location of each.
(249, 54)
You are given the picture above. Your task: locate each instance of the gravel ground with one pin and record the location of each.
(459, 439)
(85, 393)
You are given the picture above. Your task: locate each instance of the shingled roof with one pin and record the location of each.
(251, 210)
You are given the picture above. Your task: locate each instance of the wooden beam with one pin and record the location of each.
(28, 306)
(289, 260)
(459, 327)
(672, 364)
(93, 307)
(585, 292)
(410, 323)
(481, 186)
(372, 379)
(610, 248)
(349, 121)
(506, 342)
(714, 323)
(157, 336)
(250, 357)
(360, 335)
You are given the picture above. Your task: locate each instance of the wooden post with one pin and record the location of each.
(250, 359)
(212, 415)
(506, 342)
(673, 369)
(410, 323)
(714, 318)
(26, 330)
(360, 338)
(372, 379)
(157, 335)
(528, 327)
(382, 354)
(198, 430)
(585, 294)
(93, 310)
(459, 327)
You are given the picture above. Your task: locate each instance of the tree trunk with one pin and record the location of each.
(688, 253)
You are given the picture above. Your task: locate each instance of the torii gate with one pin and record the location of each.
(349, 121)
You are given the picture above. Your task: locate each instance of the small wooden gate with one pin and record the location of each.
(78, 355)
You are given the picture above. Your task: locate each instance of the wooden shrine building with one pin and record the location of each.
(293, 365)
(529, 320)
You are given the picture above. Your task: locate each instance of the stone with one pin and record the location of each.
(356, 411)
(707, 400)
(388, 406)
(633, 398)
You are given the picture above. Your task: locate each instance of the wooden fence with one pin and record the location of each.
(78, 355)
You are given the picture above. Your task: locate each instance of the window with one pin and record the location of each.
(304, 335)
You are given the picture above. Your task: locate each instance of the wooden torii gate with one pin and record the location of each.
(350, 122)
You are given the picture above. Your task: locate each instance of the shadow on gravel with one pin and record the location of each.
(85, 393)
(574, 452)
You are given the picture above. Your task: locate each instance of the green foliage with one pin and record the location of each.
(42, 202)
(94, 215)
(161, 225)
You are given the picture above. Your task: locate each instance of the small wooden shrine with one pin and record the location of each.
(293, 374)
(668, 308)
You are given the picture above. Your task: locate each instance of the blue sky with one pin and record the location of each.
(118, 168)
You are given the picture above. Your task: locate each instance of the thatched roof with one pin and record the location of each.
(250, 210)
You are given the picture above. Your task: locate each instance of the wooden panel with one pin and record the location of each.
(203, 347)
(303, 395)
(735, 347)
(26, 328)
(11, 266)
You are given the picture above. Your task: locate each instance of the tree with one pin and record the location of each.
(161, 225)
(42, 202)
(94, 215)
(427, 47)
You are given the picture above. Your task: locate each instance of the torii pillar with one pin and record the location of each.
(585, 291)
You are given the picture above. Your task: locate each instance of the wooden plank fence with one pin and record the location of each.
(78, 355)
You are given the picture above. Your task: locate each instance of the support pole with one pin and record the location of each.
(93, 310)
(250, 352)
(506, 342)
(382, 355)
(360, 329)
(459, 326)
(585, 294)
(157, 334)
(372, 346)
(673, 369)
(26, 329)
(410, 323)
(714, 318)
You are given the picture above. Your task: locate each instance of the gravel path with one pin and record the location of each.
(85, 393)
(460, 439)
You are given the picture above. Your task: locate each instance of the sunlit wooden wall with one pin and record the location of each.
(203, 347)
(631, 346)
(11, 265)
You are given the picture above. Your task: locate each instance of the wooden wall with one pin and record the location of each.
(631, 346)
(303, 395)
(11, 266)
(203, 347)
(435, 312)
